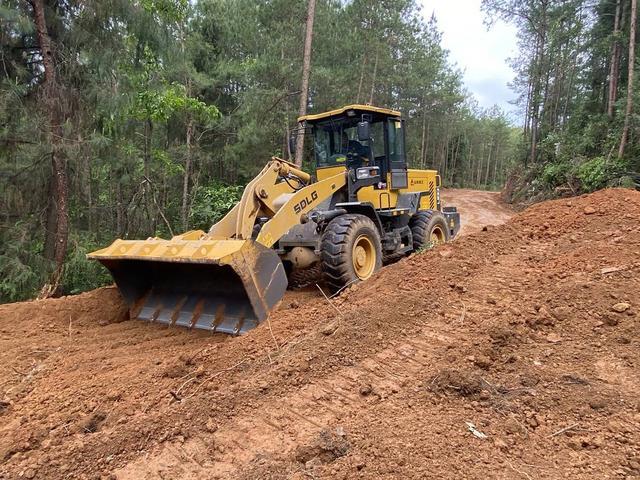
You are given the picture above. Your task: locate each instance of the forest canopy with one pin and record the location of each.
(141, 118)
(576, 86)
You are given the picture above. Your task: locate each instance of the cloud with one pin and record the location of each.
(480, 53)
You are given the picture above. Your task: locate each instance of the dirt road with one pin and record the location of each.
(477, 208)
(512, 353)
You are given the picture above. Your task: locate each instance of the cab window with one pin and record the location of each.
(396, 141)
(332, 142)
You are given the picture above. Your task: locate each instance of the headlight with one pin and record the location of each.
(367, 172)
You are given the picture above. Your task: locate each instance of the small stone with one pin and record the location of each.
(598, 403)
(501, 444)
(589, 210)
(294, 304)
(621, 307)
(211, 425)
(512, 427)
(610, 320)
(483, 362)
(533, 422)
(329, 328)
(562, 313)
(365, 389)
(553, 338)
(529, 381)
(29, 473)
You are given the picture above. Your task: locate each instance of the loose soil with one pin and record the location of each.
(512, 353)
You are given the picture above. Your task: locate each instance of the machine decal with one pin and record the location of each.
(432, 203)
(305, 202)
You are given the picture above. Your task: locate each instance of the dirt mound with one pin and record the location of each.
(511, 353)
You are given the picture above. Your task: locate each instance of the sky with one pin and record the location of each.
(480, 53)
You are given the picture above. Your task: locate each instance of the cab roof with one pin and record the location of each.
(355, 108)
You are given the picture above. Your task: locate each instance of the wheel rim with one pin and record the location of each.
(437, 236)
(363, 257)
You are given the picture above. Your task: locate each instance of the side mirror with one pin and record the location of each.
(364, 131)
(292, 144)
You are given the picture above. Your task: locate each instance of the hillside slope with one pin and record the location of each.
(528, 331)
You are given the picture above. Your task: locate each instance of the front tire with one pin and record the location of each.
(428, 228)
(351, 250)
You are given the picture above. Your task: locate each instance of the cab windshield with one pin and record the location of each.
(334, 140)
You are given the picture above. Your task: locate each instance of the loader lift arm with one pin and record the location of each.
(223, 280)
(280, 192)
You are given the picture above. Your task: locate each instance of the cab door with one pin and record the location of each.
(396, 154)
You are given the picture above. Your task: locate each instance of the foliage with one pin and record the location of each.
(555, 174)
(211, 203)
(19, 265)
(598, 173)
(169, 104)
(572, 82)
(81, 274)
(161, 105)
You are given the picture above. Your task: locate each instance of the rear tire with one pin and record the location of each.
(350, 250)
(428, 228)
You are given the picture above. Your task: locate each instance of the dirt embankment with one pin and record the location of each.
(527, 331)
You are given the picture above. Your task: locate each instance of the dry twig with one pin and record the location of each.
(524, 474)
(328, 300)
(272, 335)
(562, 430)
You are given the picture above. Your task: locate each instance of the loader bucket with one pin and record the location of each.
(225, 286)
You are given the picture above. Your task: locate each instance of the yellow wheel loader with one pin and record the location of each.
(364, 207)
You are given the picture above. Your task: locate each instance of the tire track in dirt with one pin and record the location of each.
(280, 427)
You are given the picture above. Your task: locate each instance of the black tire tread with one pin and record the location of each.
(334, 249)
(421, 224)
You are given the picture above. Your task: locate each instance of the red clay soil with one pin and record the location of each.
(512, 353)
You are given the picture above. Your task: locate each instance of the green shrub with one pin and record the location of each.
(212, 203)
(22, 268)
(599, 173)
(81, 274)
(593, 174)
(555, 174)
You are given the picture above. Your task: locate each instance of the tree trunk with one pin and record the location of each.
(306, 70)
(614, 64)
(373, 78)
(52, 102)
(486, 175)
(150, 211)
(187, 174)
(424, 134)
(362, 69)
(632, 61)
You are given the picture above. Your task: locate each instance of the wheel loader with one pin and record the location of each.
(362, 208)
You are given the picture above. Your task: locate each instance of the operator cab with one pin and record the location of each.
(366, 140)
